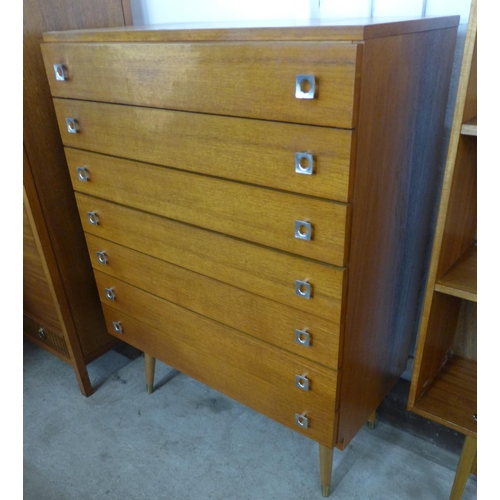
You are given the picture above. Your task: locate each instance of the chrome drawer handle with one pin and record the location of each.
(60, 72)
(83, 174)
(303, 230)
(305, 86)
(303, 289)
(302, 337)
(302, 382)
(41, 333)
(304, 163)
(72, 125)
(102, 257)
(301, 420)
(93, 218)
(110, 293)
(117, 326)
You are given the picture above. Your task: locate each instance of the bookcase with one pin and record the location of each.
(444, 382)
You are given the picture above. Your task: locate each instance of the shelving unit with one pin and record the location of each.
(444, 382)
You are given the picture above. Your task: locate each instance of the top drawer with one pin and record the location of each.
(255, 80)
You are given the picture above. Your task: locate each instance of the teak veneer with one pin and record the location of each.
(268, 245)
(444, 382)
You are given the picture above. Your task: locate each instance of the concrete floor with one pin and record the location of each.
(188, 442)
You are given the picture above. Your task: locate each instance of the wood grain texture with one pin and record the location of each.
(52, 340)
(251, 213)
(466, 466)
(51, 183)
(28, 237)
(461, 279)
(250, 313)
(403, 96)
(465, 339)
(254, 151)
(201, 77)
(224, 360)
(254, 268)
(451, 398)
(455, 232)
(347, 30)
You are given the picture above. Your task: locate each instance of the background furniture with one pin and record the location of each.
(444, 383)
(256, 202)
(60, 302)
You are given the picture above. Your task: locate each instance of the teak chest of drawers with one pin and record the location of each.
(257, 202)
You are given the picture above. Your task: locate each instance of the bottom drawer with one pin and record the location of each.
(45, 336)
(270, 390)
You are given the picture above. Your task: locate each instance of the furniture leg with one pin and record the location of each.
(325, 468)
(467, 458)
(149, 364)
(372, 419)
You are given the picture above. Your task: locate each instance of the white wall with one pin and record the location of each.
(186, 11)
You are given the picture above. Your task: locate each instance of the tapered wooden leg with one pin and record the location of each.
(372, 419)
(325, 468)
(149, 364)
(467, 458)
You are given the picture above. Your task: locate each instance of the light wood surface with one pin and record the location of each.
(461, 279)
(272, 393)
(465, 466)
(266, 272)
(385, 281)
(52, 339)
(253, 214)
(355, 29)
(254, 151)
(136, 74)
(250, 313)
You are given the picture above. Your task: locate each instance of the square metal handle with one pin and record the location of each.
(117, 326)
(301, 420)
(305, 86)
(304, 163)
(60, 72)
(93, 218)
(102, 257)
(110, 293)
(302, 382)
(303, 289)
(83, 174)
(72, 125)
(302, 338)
(303, 230)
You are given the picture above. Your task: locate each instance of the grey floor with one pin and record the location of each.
(186, 441)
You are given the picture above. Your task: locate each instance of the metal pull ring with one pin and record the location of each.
(117, 327)
(102, 257)
(303, 230)
(303, 289)
(93, 218)
(72, 125)
(304, 163)
(305, 86)
(301, 420)
(60, 72)
(110, 293)
(83, 174)
(302, 338)
(302, 382)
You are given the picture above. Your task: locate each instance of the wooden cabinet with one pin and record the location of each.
(256, 202)
(444, 383)
(61, 310)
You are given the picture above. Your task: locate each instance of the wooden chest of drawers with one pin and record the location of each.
(257, 203)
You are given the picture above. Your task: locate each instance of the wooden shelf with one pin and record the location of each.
(461, 279)
(470, 127)
(451, 399)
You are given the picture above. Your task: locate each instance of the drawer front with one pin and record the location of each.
(256, 80)
(45, 335)
(256, 374)
(37, 296)
(255, 214)
(266, 272)
(254, 151)
(263, 318)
